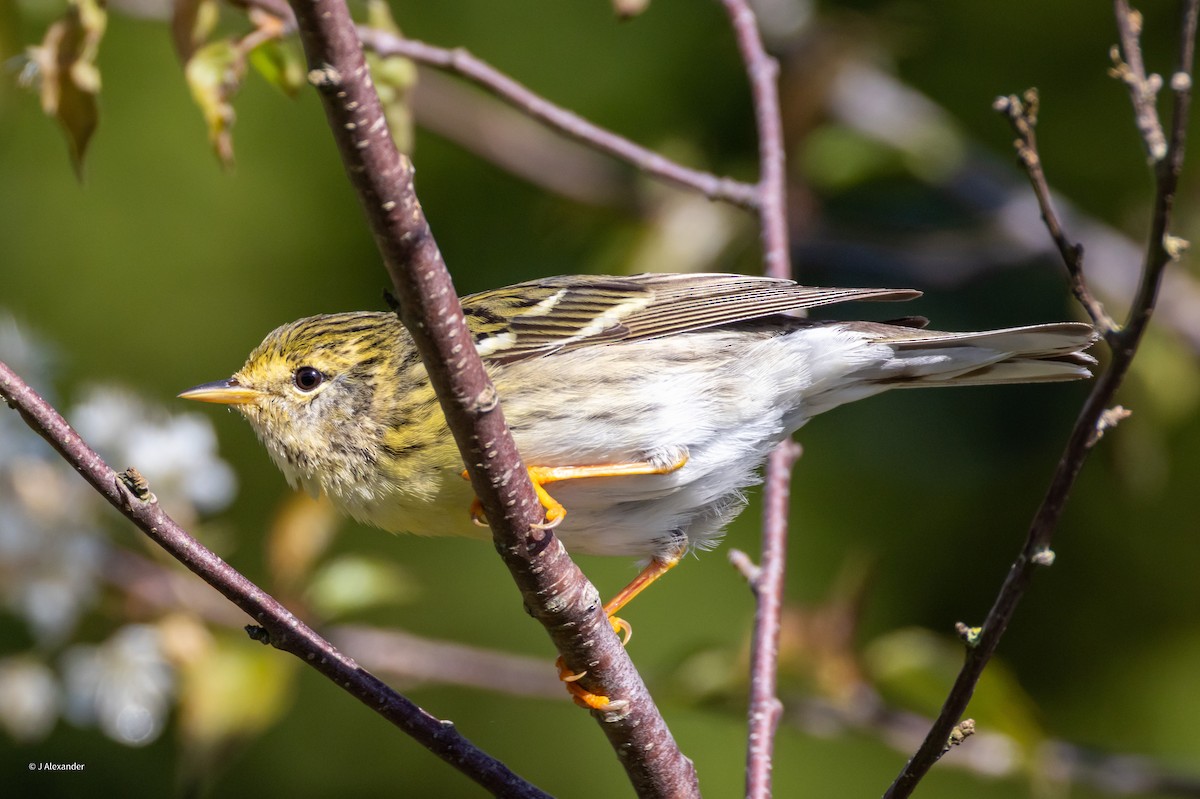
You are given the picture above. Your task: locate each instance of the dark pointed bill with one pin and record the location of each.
(223, 392)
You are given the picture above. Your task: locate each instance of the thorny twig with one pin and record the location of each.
(1162, 249)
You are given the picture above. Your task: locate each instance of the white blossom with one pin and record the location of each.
(177, 453)
(30, 697)
(125, 685)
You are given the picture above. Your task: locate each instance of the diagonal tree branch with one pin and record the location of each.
(461, 62)
(1022, 115)
(1094, 418)
(554, 590)
(282, 630)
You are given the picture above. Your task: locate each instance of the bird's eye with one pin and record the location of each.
(307, 378)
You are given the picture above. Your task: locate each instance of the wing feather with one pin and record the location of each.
(543, 316)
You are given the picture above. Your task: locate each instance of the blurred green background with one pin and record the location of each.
(162, 270)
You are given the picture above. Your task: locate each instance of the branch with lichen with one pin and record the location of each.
(1096, 415)
(554, 590)
(273, 623)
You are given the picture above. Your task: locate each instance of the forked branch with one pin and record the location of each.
(1096, 415)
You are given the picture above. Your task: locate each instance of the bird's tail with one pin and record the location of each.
(1031, 354)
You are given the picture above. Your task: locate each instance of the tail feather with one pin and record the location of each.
(1029, 354)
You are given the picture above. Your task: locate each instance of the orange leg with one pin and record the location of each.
(554, 513)
(656, 568)
(541, 475)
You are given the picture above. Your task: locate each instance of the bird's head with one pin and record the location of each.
(315, 391)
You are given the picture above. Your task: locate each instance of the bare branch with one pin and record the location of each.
(1143, 88)
(1022, 115)
(553, 588)
(763, 72)
(745, 566)
(403, 655)
(1161, 247)
(1094, 417)
(279, 627)
(1061, 763)
(765, 707)
(767, 582)
(505, 136)
(417, 658)
(462, 63)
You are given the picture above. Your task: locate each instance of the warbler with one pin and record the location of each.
(649, 401)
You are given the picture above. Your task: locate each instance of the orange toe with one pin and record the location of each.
(583, 697)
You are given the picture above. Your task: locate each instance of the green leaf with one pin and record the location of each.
(230, 690)
(394, 78)
(69, 78)
(214, 75)
(192, 22)
(836, 158)
(352, 583)
(914, 667)
(280, 64)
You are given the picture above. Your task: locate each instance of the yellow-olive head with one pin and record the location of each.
(322, 394)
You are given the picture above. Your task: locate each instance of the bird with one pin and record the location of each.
(648, 403)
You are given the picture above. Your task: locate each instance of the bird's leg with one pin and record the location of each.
(541, 475)
(554, 513)
(655, 569)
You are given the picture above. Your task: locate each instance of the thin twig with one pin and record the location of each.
(497, 132)
(461, 62)
(1059, 763)
(407, 657)
(765, 708)
(1162, 248)
(1022, 115)
(282, 630)
(426, 660)
(763, 72)
(554, 590)
(1129, 68)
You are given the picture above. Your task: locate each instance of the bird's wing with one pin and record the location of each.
(544, 316)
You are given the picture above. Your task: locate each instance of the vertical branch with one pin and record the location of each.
(553, 588)
(767, 583)
(763, 72)
(1096, 416)
(767, 580)
(1161, 247)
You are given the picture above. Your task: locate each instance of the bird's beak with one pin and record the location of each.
(225, 392)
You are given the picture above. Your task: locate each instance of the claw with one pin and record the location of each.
(583, 697)
(549, 524)
(622, 628)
